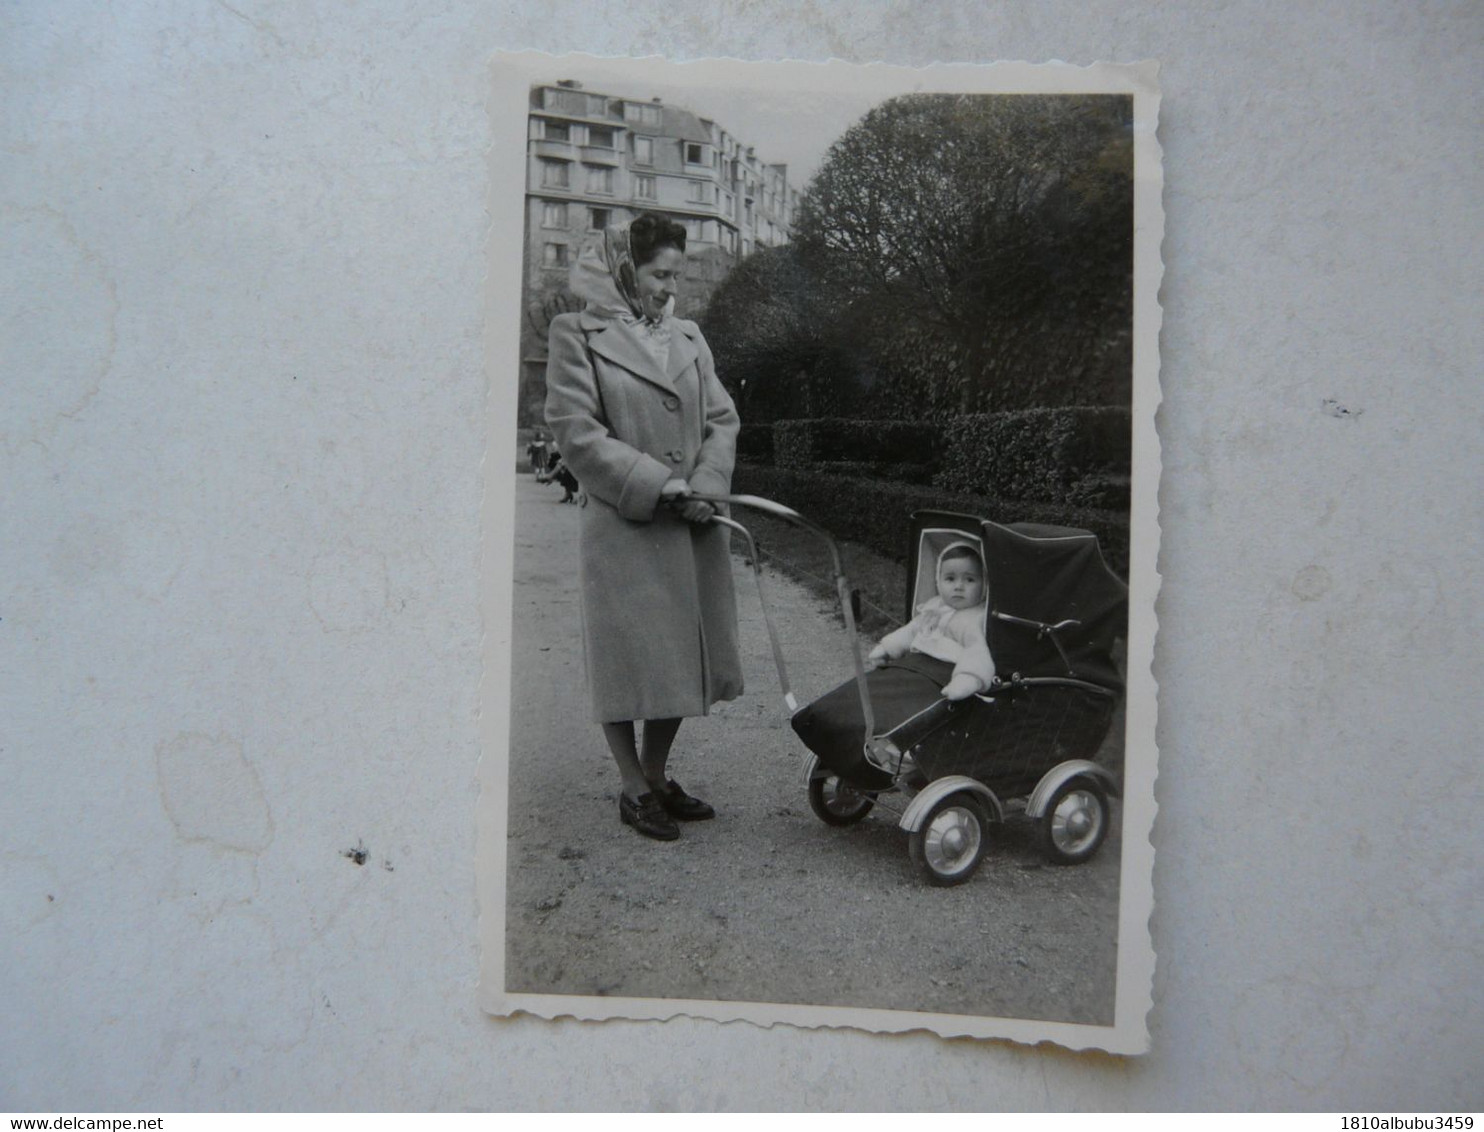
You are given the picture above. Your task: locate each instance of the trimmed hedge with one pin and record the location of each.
(755, 443)
(896, 473)
(878, 514)
(1108, 492)
(1071, 455)
(804, 443)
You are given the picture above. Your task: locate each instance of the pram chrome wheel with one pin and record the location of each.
(1075, 822)
(836, 802)
(950, 843)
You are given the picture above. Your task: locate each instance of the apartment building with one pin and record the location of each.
(596, 159)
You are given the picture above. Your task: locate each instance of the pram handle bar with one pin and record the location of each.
(842, 587)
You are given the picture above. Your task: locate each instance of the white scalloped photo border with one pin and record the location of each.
(511, 76)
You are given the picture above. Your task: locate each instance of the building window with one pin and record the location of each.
(599, 179)
(599, 218)
(693, 154)
(644, 187)
(554, 214)
(644, 151)
(692, 229)
(556, 175)
(597, 106)
(558, 131)
(555, 255)
(699, 192)
(600, 136)
(639, 112)
(570, 101)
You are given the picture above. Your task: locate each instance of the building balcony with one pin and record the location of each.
(548, 147)
(598, 155)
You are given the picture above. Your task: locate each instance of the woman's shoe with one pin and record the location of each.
(646, 814)
(679, 804)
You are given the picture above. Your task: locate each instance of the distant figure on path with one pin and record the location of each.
(536, 453)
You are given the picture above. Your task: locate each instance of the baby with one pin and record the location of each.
(950, 626)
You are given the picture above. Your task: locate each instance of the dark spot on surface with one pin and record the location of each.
(568, 853)
(1335, 409)
(388, 866)
(358, 854)
(50, 899)
(550, 904)
(1311, 583)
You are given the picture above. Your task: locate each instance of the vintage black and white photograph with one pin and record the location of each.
(819, 546)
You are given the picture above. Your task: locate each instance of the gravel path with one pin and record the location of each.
(766, 903)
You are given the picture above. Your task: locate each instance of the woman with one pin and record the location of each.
(640, 418)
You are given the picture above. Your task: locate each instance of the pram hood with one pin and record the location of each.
(1033, 573)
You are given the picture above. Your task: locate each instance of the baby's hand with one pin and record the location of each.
(874, 658)
(961, 687)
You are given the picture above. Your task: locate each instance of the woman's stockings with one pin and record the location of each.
(641, 774)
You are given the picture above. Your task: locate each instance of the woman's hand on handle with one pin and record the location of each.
(676, 493)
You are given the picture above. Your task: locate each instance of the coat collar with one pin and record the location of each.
(683, 352)
(616, 342)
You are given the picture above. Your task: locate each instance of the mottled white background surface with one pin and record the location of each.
(239, 484)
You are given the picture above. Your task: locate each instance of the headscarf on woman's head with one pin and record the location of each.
(606, 277)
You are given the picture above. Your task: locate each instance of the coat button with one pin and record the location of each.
(677, 455)
(672, 403)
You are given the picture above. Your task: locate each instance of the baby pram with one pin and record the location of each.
(1023, 746)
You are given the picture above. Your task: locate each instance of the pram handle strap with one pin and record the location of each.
(842, 587)
(757, 570)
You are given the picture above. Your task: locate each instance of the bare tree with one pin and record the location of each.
(546, 305)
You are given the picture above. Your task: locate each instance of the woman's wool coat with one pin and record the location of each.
(659, 615)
